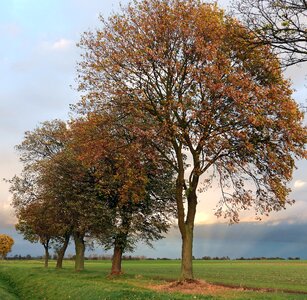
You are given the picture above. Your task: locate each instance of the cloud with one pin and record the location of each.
(7, 218)
(299, 184)
(61, 44)
(58, 46)
(247, 239)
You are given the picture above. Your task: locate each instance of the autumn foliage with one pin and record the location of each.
(6, 244)
(196, 90)
(172, 99)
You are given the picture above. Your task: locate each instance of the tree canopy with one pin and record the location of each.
(76, 183)
(211, 105)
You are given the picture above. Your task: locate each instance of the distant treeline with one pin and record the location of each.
(268, 258)
(142, 257)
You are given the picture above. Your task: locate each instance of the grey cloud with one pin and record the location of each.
(260, 232)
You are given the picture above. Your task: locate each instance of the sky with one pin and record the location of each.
(38, 57)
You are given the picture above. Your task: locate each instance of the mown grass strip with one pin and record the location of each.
(7, 289)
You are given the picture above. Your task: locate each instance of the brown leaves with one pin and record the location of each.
(119, 159)
(184, 69)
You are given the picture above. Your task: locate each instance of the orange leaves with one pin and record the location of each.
(102, 142)
(6, 243)
(187, 78)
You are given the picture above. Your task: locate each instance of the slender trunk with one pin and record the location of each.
(61, 252)
(117, 260)
(80, 249)
(46, 258)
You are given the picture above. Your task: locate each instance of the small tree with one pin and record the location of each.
(37, 223)
(6, 244)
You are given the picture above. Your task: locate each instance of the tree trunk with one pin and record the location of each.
(186, 221)
(187, 254)
(117, 261)
(46, 258)
(61, 252)
(80, 249)
(187, 230)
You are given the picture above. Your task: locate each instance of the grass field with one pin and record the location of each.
(29, 280)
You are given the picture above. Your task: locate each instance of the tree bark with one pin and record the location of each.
(187, 232)
(61, 252)
(186, 223)
(187, 254)
(117, 260)
(80, 249)
(46, 258)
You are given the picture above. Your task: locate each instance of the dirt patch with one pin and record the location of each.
(192, 287)
(204, 288)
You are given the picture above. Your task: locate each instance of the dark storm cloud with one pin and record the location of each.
(279, 232)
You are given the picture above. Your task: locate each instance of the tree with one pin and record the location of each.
(281, 24)
(55, 195)
(37, 224)
(40, 219)
(145, 220)
(75, 197)
(211, 107)
(135, 190)
(6, 244)
(60, 246)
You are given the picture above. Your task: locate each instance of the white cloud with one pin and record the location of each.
(7, 217)
(204, 218)
(299, 184)
(61, 44)
(58, 45)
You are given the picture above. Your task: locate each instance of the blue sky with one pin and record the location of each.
(38, 56)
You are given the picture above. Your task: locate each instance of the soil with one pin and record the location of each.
(204, 288)
(192, 287)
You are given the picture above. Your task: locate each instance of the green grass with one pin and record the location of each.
(29, 280)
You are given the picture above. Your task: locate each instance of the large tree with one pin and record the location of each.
(195, 93)
(279, 23)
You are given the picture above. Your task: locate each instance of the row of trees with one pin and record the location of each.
(172, 90)
(82, 180)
